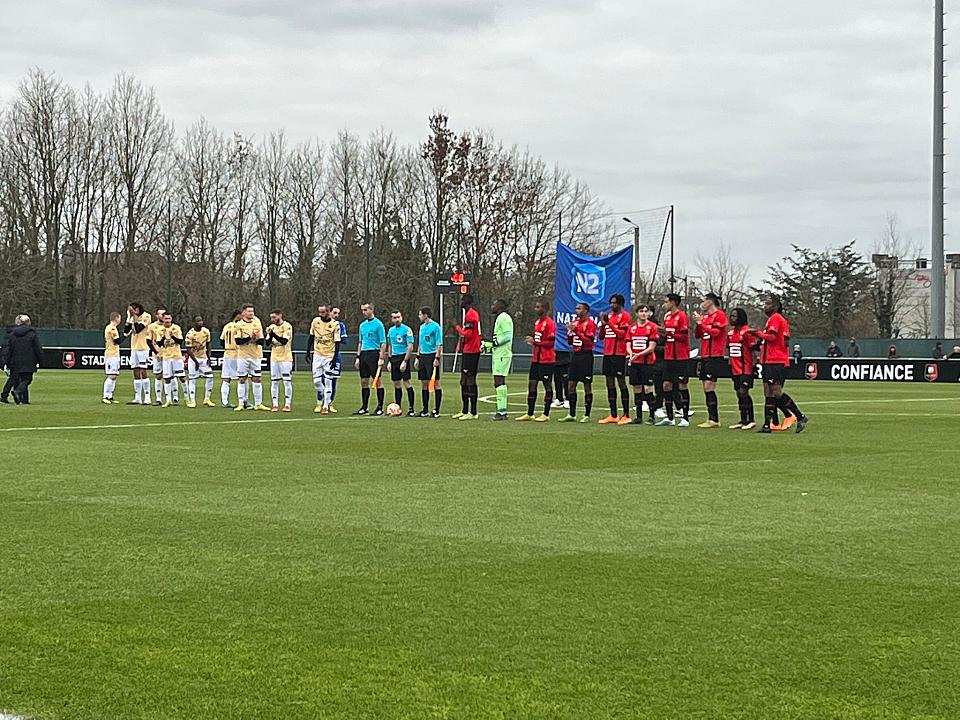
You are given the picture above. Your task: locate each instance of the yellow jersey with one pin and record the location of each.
(169, 350)
(110, 336)
(155, 334)
(245, 329)
(278, 351)
(138, 340)
(227, 338)
(198, 342)
(326, 335)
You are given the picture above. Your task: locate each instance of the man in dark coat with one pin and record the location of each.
(22, 357)
(11, 380)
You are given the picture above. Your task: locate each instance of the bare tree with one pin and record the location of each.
(891, 288)
(723, 274)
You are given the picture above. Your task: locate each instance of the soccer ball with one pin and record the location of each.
(393, 410)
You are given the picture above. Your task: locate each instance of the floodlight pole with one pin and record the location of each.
(636, 259)
(937, 289)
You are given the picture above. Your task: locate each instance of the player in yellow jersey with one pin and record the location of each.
(280, 339)
(154, 334)
(169, 342)
(136, 329)
(249, 338)
(111, 357)
(198, 363)
(228, 366)
(324, 345)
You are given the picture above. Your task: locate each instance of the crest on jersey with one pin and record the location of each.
(931, 372)
(589, 283)
(811, 371)
(69, 359)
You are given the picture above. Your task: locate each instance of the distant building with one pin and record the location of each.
(914, 280)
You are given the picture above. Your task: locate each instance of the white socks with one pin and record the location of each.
(224, 392)
(258, 393)
(275, 392)
(108, 387)
(288, 391)
(208, 388)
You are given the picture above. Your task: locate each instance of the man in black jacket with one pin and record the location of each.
(22, 357)
(11, 378)
(834, 350)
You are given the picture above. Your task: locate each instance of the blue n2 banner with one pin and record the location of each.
(591, 280)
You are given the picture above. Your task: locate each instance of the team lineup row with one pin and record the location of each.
(654, 359)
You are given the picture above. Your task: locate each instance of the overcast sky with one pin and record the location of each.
(765, 122)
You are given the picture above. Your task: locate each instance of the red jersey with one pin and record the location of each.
(639, 338)
(470, 332)
(583, 336)
(615, 333)
(544, 340)
(775, 349)
(676, 329)
(712, 331)
(740, 341)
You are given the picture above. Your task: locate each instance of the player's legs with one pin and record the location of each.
(193, 372)
(286, 376)
(275, 384)
(669, 398)
(546, 377)
(112, 370)
(253, 369)
(624, 394)
(533, 386)
(501, 369)
(611, 383)
(708, 376)
(650, 398)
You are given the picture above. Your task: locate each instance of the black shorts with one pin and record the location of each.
(614, 365)
(774, 374)
(642, 374)
(581, 367)
(742, 381)
(426, 367)
(471, 363)
(675, 371)
(541, 372)
(368, 363)
(396, 374)
(711, 368)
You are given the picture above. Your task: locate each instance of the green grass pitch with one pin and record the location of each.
(177, 563)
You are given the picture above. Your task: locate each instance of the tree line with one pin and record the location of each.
(103, 202)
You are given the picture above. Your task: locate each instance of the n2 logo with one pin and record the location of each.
(589, 282)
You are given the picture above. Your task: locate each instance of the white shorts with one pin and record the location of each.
(111, 365)
(228, 368)
(157, 365)
(280, 369)
(248, 367)
(199, 368)
(173, 368)
(140, 359)
(321, 366)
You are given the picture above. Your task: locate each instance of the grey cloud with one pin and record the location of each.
(766, 123)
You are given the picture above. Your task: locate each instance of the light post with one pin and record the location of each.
(636, 258)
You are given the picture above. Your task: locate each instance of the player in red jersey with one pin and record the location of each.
(711, 328)
(740, 343)
(581, 334)
(675, 333)
(613, 330)
(642, 339)
(774, 360)
(470, 339)
(543, 340)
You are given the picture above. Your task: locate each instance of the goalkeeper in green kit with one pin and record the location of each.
(501, 347)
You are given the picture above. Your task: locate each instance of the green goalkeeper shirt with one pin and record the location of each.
(503, 334)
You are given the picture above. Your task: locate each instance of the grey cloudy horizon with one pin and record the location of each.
(766, 124)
